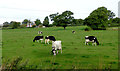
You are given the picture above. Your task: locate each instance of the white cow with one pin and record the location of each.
(56, 45)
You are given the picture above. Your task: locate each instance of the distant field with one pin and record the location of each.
(76, 55)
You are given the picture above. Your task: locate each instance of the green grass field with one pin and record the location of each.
(76, 55)
(0, 46)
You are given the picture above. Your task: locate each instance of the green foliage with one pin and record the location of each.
(54, 23)
(15, 24)
(52, 16)
(116, 20)
(25, 21)
(6, 24)
(38, 22)
(23, 26)
(64, 19)
(51, 25)
(46, 22)
(98, 19)
(77, 22)
(88, 29)
(110, 14)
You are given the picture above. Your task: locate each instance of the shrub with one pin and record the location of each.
(15, 25)
(33, 26)
(88, 29)
(50, 25)
(23, 26)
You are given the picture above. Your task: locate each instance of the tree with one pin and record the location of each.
(38, 22)
(52, 16)
(64, 19)
(46, 22)
(116, 20)
(110, 14)
(15, 24)
(25, 21)
(6, 24)
(98, 19)
(78, 22)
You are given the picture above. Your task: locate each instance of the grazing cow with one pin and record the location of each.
(56, 45)
(37, 38)
(40, 32)
(92, 39)
(49, 38)
(73, 31)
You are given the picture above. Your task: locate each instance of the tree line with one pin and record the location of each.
(99, 19)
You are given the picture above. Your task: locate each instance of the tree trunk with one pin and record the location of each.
(64, 28)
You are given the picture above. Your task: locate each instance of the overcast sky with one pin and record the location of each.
(18, 10)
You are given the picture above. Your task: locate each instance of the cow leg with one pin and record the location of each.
(41, 40)
(54, 52)
(57, 51)
(86, 43)
(61, 50)
(92, 43)
(45, 41)
(48, 41)
(95, 43)
(38, 41)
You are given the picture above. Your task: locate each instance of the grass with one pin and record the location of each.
(0, 46)
(76, 55)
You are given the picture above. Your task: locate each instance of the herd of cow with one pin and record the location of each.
(56, 45)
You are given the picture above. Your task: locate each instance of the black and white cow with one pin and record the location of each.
(56, 45)
(49, 38)
(92, 39)
(38, 38)
(73, 31)
(40, 32)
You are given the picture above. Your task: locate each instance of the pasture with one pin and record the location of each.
(0, 46)
(76, 55)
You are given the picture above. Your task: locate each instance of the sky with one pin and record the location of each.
(18, 10)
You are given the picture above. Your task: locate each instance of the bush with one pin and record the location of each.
(50, 25)
(6, 25)
(23, 26)
(40, 26)
(88, 29)
(98, 19)
(33, 26)
(15, 25)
